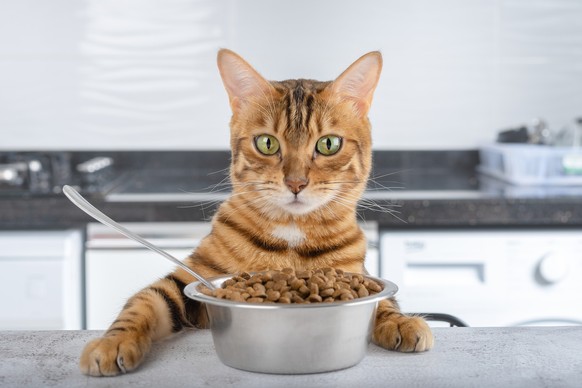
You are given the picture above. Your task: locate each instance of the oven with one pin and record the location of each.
(488, 277)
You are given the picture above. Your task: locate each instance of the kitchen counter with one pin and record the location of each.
(408, 189)
(462, 357)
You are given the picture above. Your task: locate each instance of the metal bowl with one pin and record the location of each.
(291, 338)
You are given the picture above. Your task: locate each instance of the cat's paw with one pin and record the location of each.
(403, 333)
(113, 355)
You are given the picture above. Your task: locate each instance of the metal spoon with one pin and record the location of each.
(91, 210)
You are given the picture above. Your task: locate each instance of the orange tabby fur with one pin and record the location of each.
(296, 208)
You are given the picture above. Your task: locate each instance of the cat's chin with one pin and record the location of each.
(299, 207)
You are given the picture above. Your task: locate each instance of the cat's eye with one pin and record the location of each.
(267, 144)
(328, 145)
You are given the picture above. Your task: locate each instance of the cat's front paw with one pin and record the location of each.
(403, 333)
(113, 355)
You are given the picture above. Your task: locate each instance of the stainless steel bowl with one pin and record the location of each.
(291, 338)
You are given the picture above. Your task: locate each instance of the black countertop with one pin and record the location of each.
(408, 189)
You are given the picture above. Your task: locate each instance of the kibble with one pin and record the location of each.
(325, 285)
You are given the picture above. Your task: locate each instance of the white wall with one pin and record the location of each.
(141, 74)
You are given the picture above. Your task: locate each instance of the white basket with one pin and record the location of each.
(525, 164)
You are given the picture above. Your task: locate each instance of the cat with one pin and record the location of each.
(301, 156)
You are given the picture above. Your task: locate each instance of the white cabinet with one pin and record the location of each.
(40, 280)
(116, 267)
(114, 275)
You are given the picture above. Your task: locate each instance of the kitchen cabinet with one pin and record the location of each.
(40, 279)
(116, 267)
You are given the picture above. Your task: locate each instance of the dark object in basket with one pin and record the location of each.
(517, 135)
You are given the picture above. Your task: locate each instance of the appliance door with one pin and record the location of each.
(488, 278)
(116, 267)
(40, 280)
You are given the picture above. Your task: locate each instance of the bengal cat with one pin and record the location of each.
(301, 156)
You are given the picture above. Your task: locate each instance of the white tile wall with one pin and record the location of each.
(141, 74)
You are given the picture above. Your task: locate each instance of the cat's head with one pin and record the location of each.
(300, 146)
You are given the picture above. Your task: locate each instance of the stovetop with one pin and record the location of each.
(34, 174)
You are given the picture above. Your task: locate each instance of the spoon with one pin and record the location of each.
(91, 210)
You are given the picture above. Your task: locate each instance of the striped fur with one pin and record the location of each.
(265, 224)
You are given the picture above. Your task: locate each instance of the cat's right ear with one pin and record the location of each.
(241, 81)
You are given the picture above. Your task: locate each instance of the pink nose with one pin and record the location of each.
(296, 184)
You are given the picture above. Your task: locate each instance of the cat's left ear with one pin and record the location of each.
(359, 81)
(241, 81)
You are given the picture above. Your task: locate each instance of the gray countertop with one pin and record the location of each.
(462, 357)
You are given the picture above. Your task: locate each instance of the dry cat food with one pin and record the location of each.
(290, 286)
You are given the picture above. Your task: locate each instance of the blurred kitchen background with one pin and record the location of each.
(477, 127)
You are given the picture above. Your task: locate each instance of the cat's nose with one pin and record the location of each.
(296, 184)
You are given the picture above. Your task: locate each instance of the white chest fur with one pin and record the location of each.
(290, 233)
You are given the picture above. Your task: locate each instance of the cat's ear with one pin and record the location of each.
(241, 81)
(358, 82)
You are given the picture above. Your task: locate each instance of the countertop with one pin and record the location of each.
(408, 189)
(462, 357)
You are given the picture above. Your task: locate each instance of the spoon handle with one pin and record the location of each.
(91, 210)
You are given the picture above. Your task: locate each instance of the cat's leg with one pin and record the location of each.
(155, 312)
(396, 331)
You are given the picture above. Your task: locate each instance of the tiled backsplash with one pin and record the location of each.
(128, 74)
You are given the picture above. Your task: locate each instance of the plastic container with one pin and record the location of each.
(525, 164)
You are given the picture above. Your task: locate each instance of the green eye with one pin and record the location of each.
(328, 145)
(267, 144)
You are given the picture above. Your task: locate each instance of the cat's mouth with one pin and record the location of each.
(298, 205)
(296, 201)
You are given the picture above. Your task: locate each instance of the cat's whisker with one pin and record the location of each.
(224, 186)
(384, 187)
(228, 214)
(207, 190)
(254, 190)
(339, 182)
(372, 203)
(224, 182)
(389, 174)
(219, 171)
(346, 205)
(378, 208)
(369, 204)
(208, 204)
(384, 183)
